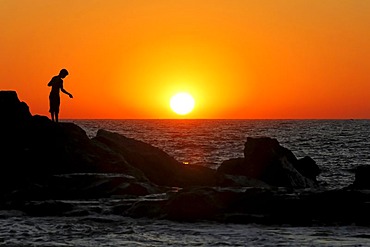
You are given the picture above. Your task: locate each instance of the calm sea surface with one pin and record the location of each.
(338, 146)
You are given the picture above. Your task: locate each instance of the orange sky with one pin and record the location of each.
(250, 59)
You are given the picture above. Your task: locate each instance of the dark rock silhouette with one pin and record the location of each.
(42, 163)
(12, 110)
(261, 205)
(265, 159)
(157, 165)
(362, 178)
(34, 149)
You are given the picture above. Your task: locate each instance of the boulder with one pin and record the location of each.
(362, 178)
(266, 160)
(157, 165)
(12, 110)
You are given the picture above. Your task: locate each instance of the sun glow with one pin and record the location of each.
(182, 103)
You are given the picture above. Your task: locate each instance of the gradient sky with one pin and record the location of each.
(240, 59)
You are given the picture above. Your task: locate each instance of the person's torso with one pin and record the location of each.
(57, 84)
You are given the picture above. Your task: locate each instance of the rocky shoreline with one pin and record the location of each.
(46, 167)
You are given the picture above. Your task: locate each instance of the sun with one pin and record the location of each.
(182, 103)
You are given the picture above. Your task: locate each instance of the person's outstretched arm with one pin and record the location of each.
(64, 91)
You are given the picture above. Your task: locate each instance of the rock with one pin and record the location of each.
(265, 160)
(98, 185)
(33, 149)
(307, 167)
(191, 204)
(261, 206)
(198, 204)
(83, 186)
(362, 178)
(43, 163)
(157, 165)
(12, 110)
(46, 208)
(142, 209)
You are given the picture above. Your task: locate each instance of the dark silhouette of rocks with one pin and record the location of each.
(43, 163)
(362, 178)
(157, 165)
(260, 205)
(13, 112)
(266, 160)
(33, 149)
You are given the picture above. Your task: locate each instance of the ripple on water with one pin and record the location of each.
(122, 231)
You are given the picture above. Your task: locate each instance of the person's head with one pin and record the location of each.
(63, 73)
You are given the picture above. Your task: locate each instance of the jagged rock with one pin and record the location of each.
(266, 160)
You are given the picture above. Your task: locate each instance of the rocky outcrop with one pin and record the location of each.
(34, 149)
(362, 178)
(157, 165)
(43, 163)
(261, 206)
(266, 160)
(12, 110)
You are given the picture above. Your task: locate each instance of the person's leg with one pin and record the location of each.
(56, 117)
(52, 116)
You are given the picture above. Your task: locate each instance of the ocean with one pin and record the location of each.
(337, 146)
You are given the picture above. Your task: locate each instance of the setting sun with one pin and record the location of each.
(238, 59)
(182, 103)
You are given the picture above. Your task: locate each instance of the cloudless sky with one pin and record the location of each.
(262, 59)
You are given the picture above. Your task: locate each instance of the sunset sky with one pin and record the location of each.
(239, 59)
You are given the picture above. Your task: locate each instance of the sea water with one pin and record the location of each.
(337, 146)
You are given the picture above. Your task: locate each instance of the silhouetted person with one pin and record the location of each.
(56, 85)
